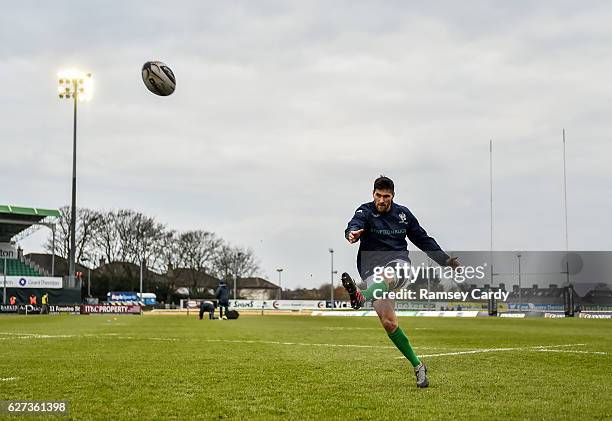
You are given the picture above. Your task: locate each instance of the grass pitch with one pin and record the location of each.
(267, 367)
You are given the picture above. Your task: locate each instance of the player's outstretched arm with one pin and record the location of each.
(356, 225)
(353, 236)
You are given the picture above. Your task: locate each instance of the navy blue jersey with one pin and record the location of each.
(384, 237)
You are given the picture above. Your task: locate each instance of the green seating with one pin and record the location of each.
(16, 267)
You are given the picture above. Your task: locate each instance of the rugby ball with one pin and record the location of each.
(158, 78)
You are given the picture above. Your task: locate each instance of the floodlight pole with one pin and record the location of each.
(565, 211)
(491, 207)
(4, 289)
(331, 254)
(279, 270)
(141, 267)
(73, 207)
(53, 251)
(519, 282)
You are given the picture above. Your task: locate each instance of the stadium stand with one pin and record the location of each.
(15, 219)
(18, 267)
(14, 222)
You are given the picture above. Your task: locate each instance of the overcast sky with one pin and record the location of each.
(285, 112)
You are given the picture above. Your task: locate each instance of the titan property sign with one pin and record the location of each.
(110, 309)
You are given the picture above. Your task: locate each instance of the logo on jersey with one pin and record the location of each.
(402, 218)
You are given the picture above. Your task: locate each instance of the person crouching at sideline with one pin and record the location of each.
(207, 307)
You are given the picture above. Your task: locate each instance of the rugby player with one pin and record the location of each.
(381, 227)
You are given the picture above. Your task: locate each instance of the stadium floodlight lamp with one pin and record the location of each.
(75, 84)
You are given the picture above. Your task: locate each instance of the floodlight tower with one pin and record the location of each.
(280, 270)
(331, 254)
(78, 86)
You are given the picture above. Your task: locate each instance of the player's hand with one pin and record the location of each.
(453, 262)
(354, 236)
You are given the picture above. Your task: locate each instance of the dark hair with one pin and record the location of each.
(384, 183)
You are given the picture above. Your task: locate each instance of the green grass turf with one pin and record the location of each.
(179, 367)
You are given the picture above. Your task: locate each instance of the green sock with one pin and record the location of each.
(376, 286)
(402, 343)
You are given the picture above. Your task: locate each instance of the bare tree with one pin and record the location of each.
(123, 227)
(148, 240)
(62, 241)
(170, 252)
(106, 238)
(234, 262)
(198, 249)
(141, 238)
(86, 222)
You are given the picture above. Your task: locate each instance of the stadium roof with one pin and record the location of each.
(14, 219)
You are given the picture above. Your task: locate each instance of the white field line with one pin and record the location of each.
(571, 351)
(367, 328)
(539, 348)
(147, 339)
(34, 335)
(243, 341)
(349, 328)
(118, 336)
(88, 335)
(8, 379)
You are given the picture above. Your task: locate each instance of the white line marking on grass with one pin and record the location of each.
(297, 343)
(34, 335)
(571, 351)
(349, 328)
(8, 379)
(147, 339)
(486, 350)
(116, 336)
(554, 346)
(243, 341)
(366, 328)
(87, 335)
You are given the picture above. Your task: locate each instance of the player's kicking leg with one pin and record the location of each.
(386, 313)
